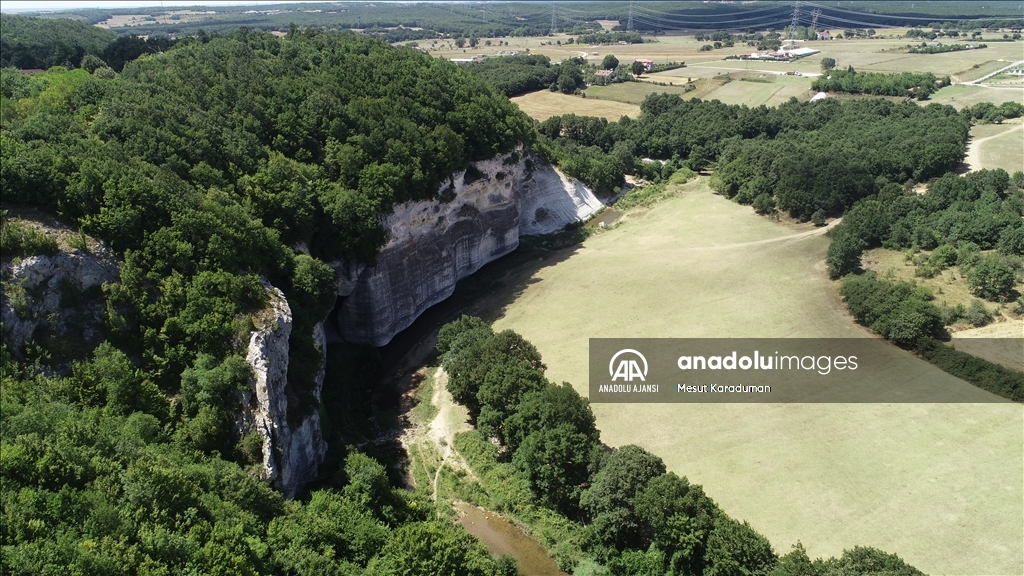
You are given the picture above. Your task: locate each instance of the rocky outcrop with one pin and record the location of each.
(478, 218)
(58, 298)
(291, 453)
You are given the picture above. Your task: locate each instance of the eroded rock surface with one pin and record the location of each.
(434, 244)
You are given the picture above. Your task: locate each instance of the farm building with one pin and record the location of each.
(648, 64)
(819, 96)
(605, 73)
(823, 35)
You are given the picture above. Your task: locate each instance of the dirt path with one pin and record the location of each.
(973, 159)
(797, 236)
(979, 81)
(449, 421)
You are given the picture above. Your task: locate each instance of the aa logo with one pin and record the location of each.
(627, 367)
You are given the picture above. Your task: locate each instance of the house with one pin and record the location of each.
(605, 73)
(33, 71)
(823, 35)
(648, 64)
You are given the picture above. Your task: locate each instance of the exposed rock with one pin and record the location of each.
(59, 297)
(550, 200)
(291, 455)
(433, 244)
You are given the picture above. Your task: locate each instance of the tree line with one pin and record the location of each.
(800, 158)
(971, 222)
(631, 515)
(908, 84)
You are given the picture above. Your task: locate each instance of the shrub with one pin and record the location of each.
(977, 314)
(18, 239)
(990, 278)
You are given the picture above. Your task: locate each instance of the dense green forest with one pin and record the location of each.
(203, 167)
(515, 75)
(38, 43)
(799, 157)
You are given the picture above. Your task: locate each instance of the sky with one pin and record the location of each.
(56, 5)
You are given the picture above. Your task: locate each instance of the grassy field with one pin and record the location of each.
(767, 89)
(544, 104)
(941, 485)
(1006, 150)
(961, 95)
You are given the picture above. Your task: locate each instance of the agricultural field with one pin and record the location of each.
(752, 88)
(544, 104)
(942, 485)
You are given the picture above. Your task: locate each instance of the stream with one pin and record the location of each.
(502, 538)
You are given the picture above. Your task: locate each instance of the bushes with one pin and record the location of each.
(898, 311)
(19, 239)
(990, 278)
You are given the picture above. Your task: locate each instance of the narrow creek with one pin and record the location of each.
(502, 538)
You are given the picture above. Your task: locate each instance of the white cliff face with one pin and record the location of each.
(291, 455)
(433, 244)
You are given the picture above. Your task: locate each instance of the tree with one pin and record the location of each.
(843, 253)
(610, 62)
(736, 549)
(990, 278)
(610, 499)
(460, 42)
(828, 64)
(556, 462)
(637, 68)
(431, 548)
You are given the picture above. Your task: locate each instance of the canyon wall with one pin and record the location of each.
(433, 244)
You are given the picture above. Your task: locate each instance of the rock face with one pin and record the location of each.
(59, 297)
(433, 244)
(291, 453)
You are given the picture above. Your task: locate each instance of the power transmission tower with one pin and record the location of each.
(629, 23)
(814, 20)
(554, 27)
(796, 21)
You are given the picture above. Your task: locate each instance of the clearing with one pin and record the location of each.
(544, 104)
(940, 484)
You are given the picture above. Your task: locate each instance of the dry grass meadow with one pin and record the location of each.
(544, 104)
(942, 485)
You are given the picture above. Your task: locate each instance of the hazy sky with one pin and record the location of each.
(39, 6)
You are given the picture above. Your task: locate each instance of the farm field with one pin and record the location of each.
(768, 89)
(962, 95)
(544, 104)
(942, 485)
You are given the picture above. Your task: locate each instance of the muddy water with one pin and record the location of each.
(606, 217)
(502, 538)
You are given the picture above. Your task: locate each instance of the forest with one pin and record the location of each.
(29, 43)
(798, 157)
(907, 84)
(207, 167)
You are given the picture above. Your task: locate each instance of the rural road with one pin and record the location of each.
(973, 158)
(991, 74)
(776, 72)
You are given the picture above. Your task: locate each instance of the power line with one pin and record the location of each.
(629, 26)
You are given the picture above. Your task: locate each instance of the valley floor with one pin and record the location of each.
(942, 485)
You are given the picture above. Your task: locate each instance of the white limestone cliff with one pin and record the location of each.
(291, 453)
(434, 244)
